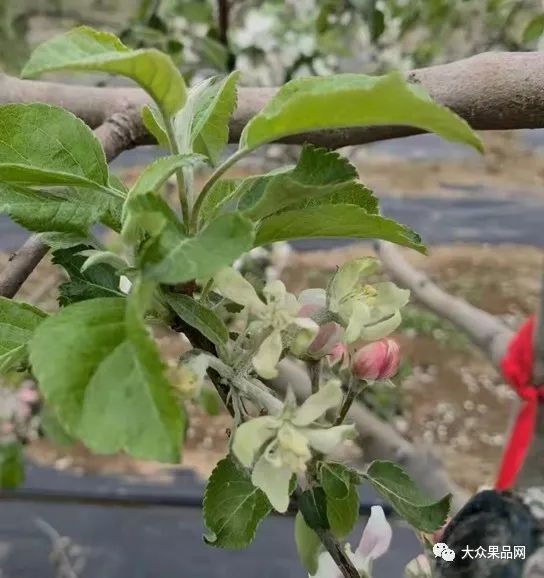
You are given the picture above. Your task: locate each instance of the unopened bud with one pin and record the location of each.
(377, 361)
(338, 354)
(326, 340)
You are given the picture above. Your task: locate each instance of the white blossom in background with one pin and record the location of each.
(276, 447)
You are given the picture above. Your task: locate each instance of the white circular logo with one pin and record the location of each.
(441, 550)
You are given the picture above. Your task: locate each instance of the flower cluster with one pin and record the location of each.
(276, 447)
(17, 415)
(343, 322)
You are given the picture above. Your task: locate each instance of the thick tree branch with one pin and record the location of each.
(116, 134)
(492, 91)
(484, 329)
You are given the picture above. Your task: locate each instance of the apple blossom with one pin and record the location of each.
(276, 447)
(369, 311)
(272, 317)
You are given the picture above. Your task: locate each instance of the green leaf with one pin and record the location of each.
(343, 513)
(334, 221)
(308, 544)
(336, 479)
(320, 177)
(352, 100)
(42, 145)
(53, 430)
(42, 212)
(12, 469)
(313, 507)
(151, 180)
(534, 29)
(149, 214)
(396, 486)
(173, 258)
(221, 193)
(153, 122)
(201, 318)
(233, 506)
(102, 375)
(100, 280)
(85, 49)
(18, 321)
(210, 128)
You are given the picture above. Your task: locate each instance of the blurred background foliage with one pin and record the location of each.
(272, 41)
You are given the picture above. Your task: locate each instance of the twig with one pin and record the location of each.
(59, 554)
(484, 329)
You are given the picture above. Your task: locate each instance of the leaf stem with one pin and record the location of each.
(182, 191)
(216, 175)
(354, 388)
(314, 370)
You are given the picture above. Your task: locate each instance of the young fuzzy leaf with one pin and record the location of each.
(308, 544)
(319, 178)
(102, 375)
(12, 469)
(42, 212)
(210, 127)
(155, 125)
(334, 221)
(174, 258)
(352, 100)
(151, 180)
(42, 145)
(85, 49)
(221, 194)
(100, 280)
(233, 506)
(396, 486)
(201, 318)
(18, 321)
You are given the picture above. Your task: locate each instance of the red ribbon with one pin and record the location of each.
(517, 368)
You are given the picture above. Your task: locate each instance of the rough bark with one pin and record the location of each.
(492, 91)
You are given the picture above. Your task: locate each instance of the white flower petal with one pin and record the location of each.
(268, 356)
(316, 297)
(328, 397)
(325, 440)
(250, 437)
(326, 567)
(381, 329)
(390, 296)
(359, 317)
(232, 285)
(304, 337)
(273, 481)
(275, 291)
(375, 540)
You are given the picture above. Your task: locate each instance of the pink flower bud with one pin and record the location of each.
(28, 395)
(376, 361)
